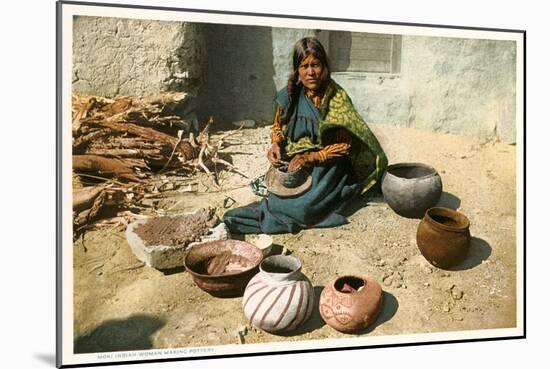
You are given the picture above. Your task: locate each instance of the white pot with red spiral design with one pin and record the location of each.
(280, 297)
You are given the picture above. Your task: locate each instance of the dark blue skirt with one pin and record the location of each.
(333, 188)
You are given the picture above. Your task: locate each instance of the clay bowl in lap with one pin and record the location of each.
(283, 183)
(411, 188)
(223, 268)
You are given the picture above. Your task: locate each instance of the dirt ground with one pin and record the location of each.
(121, 304)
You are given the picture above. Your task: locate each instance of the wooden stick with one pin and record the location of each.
(84, 197)
(201, 164)
(230, 166)
(101, 178)
(180, 135)
(121, 168)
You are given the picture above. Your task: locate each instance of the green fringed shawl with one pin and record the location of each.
(337, 111)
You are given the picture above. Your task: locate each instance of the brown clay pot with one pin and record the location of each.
(223, 268)
(443, 237)
(350, 303)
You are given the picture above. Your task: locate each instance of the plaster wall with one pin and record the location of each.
(454, 85)
(116, 56)
(451, 85)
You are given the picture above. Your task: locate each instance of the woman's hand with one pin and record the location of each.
(297, 162)
(274, 155)
(304, 160)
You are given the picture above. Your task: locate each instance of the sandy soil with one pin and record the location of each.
(120, 304)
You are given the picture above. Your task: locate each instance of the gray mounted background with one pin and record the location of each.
(452, 85)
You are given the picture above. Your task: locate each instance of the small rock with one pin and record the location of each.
(395, 263)
(286, 251)
(397, 276)
(458, 318)
(247, 123)
(457, 293)
(426, 284)
(241, 333)
(168, 186)
(446, 307)
(398, 282)
(394, 280)
(149, 202)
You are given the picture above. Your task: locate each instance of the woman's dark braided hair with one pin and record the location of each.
(304, 48)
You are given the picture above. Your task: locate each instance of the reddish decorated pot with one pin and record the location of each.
(351, 303)
(443, 237)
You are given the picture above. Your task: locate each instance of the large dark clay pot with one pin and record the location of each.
(411, 188)
(443, 237)
(350, 303)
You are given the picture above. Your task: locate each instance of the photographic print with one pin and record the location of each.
(236, 184)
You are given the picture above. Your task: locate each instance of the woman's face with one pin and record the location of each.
(310, 72)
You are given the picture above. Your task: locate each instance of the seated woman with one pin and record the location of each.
(317, 128)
